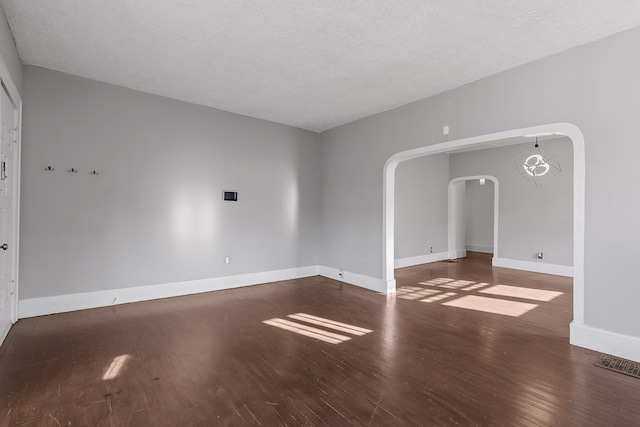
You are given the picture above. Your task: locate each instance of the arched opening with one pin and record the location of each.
(452, 229)
(557, 129)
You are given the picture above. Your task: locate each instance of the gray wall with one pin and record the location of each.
(154, 214)
(594, 86)
(531, 219)
(421, 206)
(479, 215)
(9, 52)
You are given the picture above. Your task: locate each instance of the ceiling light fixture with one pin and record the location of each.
(537, 165)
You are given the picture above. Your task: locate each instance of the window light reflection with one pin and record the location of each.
(476, 286)
(308, 331)
(517, 292)
(438, 281)
(317, 333)
(414, 292)
(435, 290)
(439, 297)
(492, 305)
(117, 364)
(451, 284)
(332, 324)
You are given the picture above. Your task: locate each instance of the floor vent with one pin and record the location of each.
(618, 364)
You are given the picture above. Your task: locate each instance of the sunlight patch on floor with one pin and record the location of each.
(435, 290)
(517, 292)
(476, 286)
(308, 331)
(344, 327)
(438, 281)
(439, 297)
(448, 283)
(492, 305)
(317, 333)
(414, 292)
(117, 364)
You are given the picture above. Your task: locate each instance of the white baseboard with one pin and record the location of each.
(480, 248)
(624, 346)
(366, 282)
(537, 267)
(390, 286)
(72, 302)
(3, 334)
(420, 259)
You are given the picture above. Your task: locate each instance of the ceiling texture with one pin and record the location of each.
(310, 64)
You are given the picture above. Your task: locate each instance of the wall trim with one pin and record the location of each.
(82, 301)
(3, 334)
(620, 345)
(480, 248)
(459, 253)
(367, 282)
(537, 267)
(12, 90)
(420, 259)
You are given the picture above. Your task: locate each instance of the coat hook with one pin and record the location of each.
(73, 170)
(93, 172)
(49, 168)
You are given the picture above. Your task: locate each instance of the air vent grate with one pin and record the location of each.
(618, 364)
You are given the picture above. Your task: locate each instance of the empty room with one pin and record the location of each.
(319, 213)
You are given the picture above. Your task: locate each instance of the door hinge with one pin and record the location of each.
(12, 287)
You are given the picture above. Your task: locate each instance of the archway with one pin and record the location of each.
(558, 129)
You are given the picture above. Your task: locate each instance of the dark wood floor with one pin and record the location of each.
(210, 360)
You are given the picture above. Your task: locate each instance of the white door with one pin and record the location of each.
(8, 238)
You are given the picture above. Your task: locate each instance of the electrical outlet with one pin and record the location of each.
(431, 249)
(341, 273)
(227, 259)
(539, 255)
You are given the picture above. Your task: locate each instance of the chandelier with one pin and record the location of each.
(537, 165)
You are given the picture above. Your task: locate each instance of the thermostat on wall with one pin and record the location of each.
(230, 196)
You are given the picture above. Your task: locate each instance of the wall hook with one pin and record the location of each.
(93, 172)
(73, 170)
(49, 168)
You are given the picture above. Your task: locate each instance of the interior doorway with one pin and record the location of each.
(512, 136)
(10, 109)
(467, 228)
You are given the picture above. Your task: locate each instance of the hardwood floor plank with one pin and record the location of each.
(209, 358)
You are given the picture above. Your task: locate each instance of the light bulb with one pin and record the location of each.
(536, 165)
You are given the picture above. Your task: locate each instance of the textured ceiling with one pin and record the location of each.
(311, 64)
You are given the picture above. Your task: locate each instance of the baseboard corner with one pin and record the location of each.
(620, 345)
(536, 267)
(367, 282)
(420, 259)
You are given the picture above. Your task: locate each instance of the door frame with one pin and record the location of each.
(579, 171)
(7, 81)
(453, 212)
